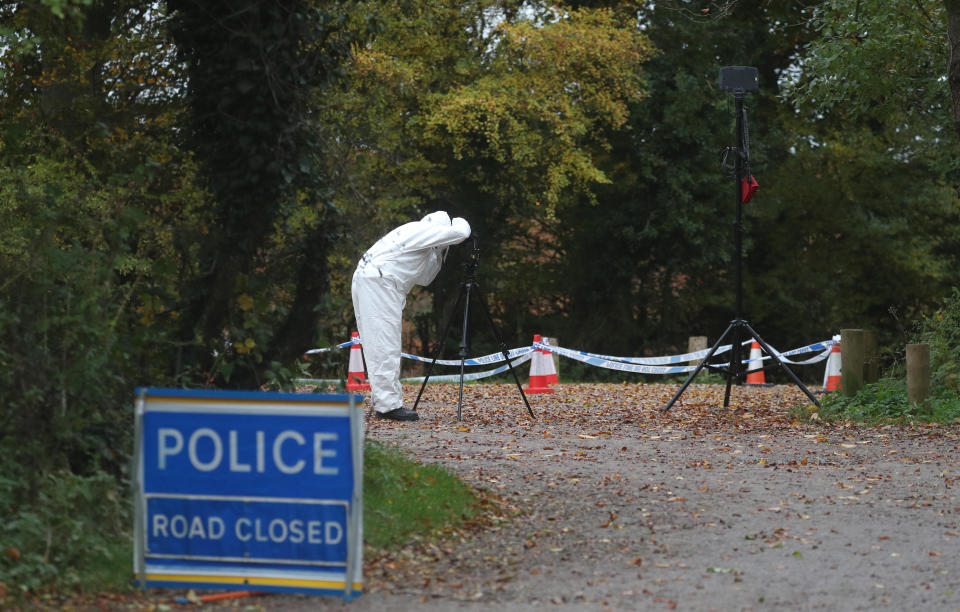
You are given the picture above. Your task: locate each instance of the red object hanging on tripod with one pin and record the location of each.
(748, 187)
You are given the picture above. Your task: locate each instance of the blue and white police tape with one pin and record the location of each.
(475, 361)
(638, 365)
(648, 365)
(526, 354)
(824, 347)
(342, 345)
(472, 361)
(610, 364)
(687, 357)
(652, 361)
(473, 375)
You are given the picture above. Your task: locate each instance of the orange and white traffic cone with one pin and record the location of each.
(831, 375)
(755, 368)
(549, 365)
(538, 370)
(356, 379)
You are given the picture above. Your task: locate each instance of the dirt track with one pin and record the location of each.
(612, 504)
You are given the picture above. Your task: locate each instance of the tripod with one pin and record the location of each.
(469, 288)
(738, 79)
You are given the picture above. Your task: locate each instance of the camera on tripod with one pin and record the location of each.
(739, 79)
(470, 287)
(473, 261)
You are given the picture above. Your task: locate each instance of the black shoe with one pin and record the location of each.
(399, 414)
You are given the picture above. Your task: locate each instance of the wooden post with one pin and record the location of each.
(918, 373)
(871, 357)
(851, 360)
(552, 341)
(694, 344)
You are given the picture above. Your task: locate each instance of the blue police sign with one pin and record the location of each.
(257, 490)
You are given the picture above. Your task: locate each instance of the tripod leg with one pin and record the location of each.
(503, 350)
(776, 358)
(439, 350)
(699, 367)
(736, 360)
(464, 343)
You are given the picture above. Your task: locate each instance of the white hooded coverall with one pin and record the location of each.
(409, 255)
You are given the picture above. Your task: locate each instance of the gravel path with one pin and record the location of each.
(610, 503)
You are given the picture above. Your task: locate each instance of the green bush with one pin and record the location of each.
(886, 400)
(69, 533)
(941, 331)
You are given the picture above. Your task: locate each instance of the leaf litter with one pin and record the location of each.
(602, 479)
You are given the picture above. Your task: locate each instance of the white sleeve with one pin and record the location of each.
(426, 235)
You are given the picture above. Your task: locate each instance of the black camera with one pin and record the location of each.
(739, 79)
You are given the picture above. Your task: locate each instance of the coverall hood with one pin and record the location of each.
(439, 217)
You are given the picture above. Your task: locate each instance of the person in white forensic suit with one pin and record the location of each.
(411, 254)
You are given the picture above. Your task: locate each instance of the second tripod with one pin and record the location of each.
(470, 288)
(739, 80)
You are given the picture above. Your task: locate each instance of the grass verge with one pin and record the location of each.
(403, 498)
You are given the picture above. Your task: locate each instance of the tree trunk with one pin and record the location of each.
(953, 68)
(297, 331)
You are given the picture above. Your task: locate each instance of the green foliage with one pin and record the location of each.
(882, 62)
(498, 111)
(60, 8)
(403, 498)
(886, 401)
(941, 330)
(63, 360)
(93, 197)
(847, 228)
(500, 106)
(654, 254)
(847, 235)
(879, 401)
(90, 215)
(70, 532)
(547, 88)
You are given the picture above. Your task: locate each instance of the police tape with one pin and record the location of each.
(652, 361)
(525, 356)
(342, 345)
(648, 365)
(637, 365)
(693, 356)
(476, 361)
(825, 347)
(473, 361)
(473, 375)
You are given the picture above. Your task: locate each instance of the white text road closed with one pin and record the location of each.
(278, 530)
(244, 529)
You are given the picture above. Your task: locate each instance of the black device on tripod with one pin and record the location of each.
(739, 80)
(470, 287)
